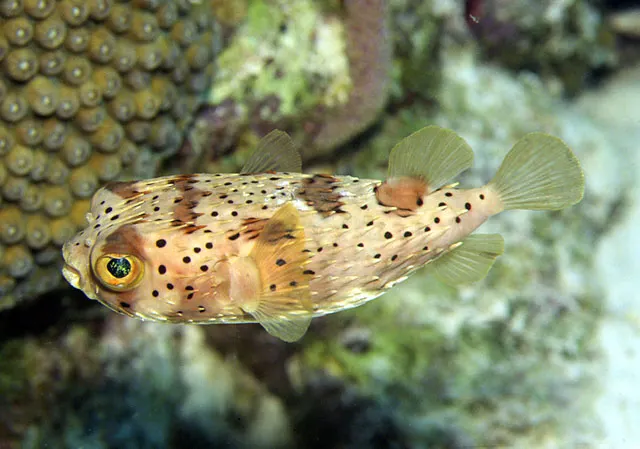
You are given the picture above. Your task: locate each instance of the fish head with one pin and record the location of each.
(109, 267)
(108, 260)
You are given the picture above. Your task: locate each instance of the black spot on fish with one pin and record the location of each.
(442, 204)
(186, 259)
(234, 214)
(234, 236)
(467, 206)
(155, 293)
(320, 249)
(160, 243)
(272, 287)
(361, 245)
(170, 286)
(156, 209)
(214, 214)
(377, 256)
(426, 248)
(201, 309)
(228, 183)
(293, 284)
(448, 194)
(436, 220)
(481, 196)
(209, 245)
(196, 250)
(345, 226)
(249, 201)
(365, 207)
(115, 217)
(309, 272)
(223, 196)
(162, 269)
(388, 235)
(335, 244)
(265, 207)
(427, 229)
(280, 262)
(108, 210)
(408, 234)
(394, 257)
(370, 223)
(189, 288)
(458, 219)
(124, 305)
(190, 296)
(203, 268)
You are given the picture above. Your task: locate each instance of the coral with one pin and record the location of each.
(86, 90)
(129, 384)
(558, 39)
(287, 51)
(369, 51)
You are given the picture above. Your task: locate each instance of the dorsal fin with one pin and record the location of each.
(284, 305)
(433, 154)
(275, 152)
(470, 261)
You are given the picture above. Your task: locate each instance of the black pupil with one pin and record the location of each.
(119, 268)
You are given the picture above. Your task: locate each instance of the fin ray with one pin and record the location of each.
(433, 154)
(470, 261)
(275, 152)
(539, 173)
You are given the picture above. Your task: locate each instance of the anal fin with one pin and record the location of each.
(284, 306)
(469, 262)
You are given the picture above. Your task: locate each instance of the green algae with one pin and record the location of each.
(288, 51)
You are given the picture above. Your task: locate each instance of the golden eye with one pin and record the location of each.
(119, 272)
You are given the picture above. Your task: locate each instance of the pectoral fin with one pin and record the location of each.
(284, 306)
(469, 262)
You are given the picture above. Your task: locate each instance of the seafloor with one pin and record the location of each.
(543, 353)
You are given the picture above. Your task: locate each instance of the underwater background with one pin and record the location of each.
(543, 353)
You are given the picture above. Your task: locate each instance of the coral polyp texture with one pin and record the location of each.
(87, 89)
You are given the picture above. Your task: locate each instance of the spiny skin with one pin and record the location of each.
(184, 227)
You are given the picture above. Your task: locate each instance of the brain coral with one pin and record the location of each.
(86, 89)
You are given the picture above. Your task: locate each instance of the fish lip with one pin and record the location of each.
(70, 273)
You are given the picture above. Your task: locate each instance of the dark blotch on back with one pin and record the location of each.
(318, 192)
(124, 190)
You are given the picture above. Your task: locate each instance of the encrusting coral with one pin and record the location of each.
(87, 89)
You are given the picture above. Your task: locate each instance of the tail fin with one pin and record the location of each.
(539, 173)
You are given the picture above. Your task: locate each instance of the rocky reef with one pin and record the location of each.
(516, 360)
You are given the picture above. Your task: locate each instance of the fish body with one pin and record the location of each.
(280, 247)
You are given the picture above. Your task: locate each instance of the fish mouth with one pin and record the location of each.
(71, 275)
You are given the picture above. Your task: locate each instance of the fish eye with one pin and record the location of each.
(119, 272)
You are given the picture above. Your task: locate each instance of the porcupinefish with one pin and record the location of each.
(275, 246)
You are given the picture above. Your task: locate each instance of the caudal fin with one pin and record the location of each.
(539, 173)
